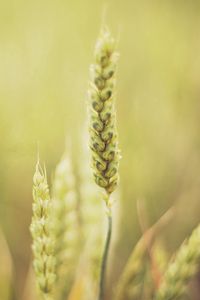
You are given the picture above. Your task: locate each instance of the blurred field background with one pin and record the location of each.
(45, 51)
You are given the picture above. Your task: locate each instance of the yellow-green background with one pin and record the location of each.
(45, 51)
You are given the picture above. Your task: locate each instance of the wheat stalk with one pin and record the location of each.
(182, 268)
(42, 234)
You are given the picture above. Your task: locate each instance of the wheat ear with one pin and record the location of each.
(183, 267)
(65, 224)
(42, 234)
(103, 133)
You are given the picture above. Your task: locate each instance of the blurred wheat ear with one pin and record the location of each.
(182, 268)
(66, 227)
(93, 226)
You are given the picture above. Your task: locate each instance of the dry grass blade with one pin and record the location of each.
(130, 282)
(77, 290)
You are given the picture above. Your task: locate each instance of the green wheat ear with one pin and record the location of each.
(42, 234)
(103, 133)
(65, 222)
(183, 267)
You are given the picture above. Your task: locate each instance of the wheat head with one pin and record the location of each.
(183, 267)
(42, 234)
(103, 133)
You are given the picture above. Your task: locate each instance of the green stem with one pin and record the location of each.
(105, 257)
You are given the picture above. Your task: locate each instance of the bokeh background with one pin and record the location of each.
(46, 48)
